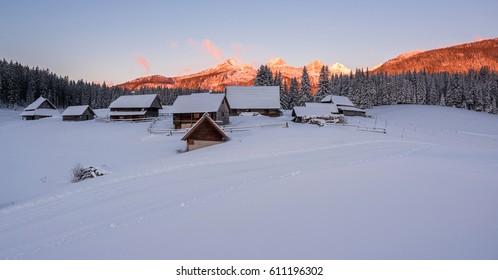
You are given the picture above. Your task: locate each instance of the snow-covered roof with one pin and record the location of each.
(127, 113)
(349, 108)
(253, 97)
(136, 101)
(331, 106)
(165, 110)
(338, 100)
(205, 118)
(37, 104)
(313, 111)
(197, 103)
(40, 112)
(76, 110)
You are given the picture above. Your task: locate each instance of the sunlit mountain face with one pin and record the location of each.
(453, 59)
(460, 58)
(230, 72)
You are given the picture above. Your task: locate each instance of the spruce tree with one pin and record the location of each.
(293, 93)
(260, 76)
(305, 90)
(323, 84)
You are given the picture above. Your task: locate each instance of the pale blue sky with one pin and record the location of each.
(114, 40)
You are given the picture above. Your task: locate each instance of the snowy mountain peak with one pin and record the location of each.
(231, 61)
(339, 68)
(276, 62)
(315, 66)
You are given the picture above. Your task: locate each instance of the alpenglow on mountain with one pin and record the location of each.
(459, 58)
(230, 72)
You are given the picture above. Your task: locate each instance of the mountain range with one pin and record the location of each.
(459, 58)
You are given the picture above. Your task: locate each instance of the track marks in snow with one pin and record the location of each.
(94, 210)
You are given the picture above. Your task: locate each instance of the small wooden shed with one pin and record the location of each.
(40, 108)
(78, 113)
(204, 133)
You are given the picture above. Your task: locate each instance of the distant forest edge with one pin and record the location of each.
(474, 90)
(21, 85)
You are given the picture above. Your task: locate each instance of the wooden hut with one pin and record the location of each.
(204, 133)
(344, 105)
(40, 108)
(188, 109)
(313, 110)
(264, 100)
(135, 107)
(78, 113)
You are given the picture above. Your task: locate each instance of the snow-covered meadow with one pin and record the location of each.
(425, 190)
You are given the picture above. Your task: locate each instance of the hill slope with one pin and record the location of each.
(424, 190)
(453, 59)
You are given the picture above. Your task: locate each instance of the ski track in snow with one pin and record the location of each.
(24, 230)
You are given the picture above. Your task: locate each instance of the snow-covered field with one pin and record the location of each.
(425, 190)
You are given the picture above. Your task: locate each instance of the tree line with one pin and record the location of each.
(472, 90)
(21, 85)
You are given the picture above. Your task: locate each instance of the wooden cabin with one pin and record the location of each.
(264, 100)
(135, 107)
(313, 110)
(188, 109)
(78, 113)
(204, 133)
(40, 108)
(344, 105)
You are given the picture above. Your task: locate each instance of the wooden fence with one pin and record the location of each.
(170, 132)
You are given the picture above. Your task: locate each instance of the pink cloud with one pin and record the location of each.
(143, 62)
(206, 46)
(212, 49)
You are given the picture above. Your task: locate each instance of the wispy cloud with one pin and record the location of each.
(212, 49)
(143, 62)
(207, 46)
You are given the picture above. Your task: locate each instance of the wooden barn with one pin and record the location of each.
(313, 110)
(135, 107)
(264, 100)
(40, 108)
(78, 113)
(344, 105)
(204, 133)
(188, 109)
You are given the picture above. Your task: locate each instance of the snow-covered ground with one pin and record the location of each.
(425, 190)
